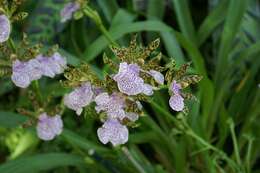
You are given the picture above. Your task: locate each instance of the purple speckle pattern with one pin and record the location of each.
(114, 132)
(113, 105)
(51, 66)
(49, 127)
(129, 82)
(68, 10)
(23, 73)
(5, 28)
(20, 76)
(176, 101)
(79, 98)
(175, 87)
(148, 89)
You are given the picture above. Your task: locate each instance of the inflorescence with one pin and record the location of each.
(136, 72)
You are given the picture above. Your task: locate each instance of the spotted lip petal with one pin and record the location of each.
(177, 102)
(5, 28)
(21, 80)
(68, 10)
(48, 127)
(79, 98)
(20, 76)
(113, 105)
(34, 69)
(114, 132)
(128, 80)
(51, 66)
(59, 62)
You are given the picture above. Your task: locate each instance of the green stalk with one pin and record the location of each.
(132, 159)
(234, 139)
(12, 45)
(188, 131)
(248, 155)
(96, 18)
(192, 134)
(37, 90)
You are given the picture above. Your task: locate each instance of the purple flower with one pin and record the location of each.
(176, 101)
(5, 28)
(79, 98)
(51, 66)
(158, 77)
(129, 82)
(34, 69)
(68, 10)
(147, 89)
(20, 76)
(46, 67)
(60, 62)
(114, 132)
(113, 105)
(175, 87)
(25, 72)
(48, 127)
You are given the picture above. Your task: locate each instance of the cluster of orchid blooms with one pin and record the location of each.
(134, 77)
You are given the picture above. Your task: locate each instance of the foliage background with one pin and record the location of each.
(222, 40)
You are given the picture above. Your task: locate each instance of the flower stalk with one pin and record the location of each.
(98, 21)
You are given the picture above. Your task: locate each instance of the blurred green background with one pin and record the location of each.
(222, 40)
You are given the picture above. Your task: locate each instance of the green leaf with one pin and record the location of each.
(11, 119)
(155, 9)
(212, 21)
(109, 8)
(173, 48)
(81, 142)
(122, 16)
(26, 142)
(40, 162)
(184, 19)
(236, 10)
(118, 31)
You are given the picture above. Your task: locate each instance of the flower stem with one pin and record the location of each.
(183, 125)
(96, 18)
(12, 45)
(234, 139)
(37, 90)
(132, 159)
(248, 154)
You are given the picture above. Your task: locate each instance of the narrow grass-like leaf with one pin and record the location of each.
(81, 142)
(212, 21)
(173, 48)
(122, 16)
(236, 10)
(41, 162)
(155, 9)
(184, 19)
(118, 31)
(109, 8)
